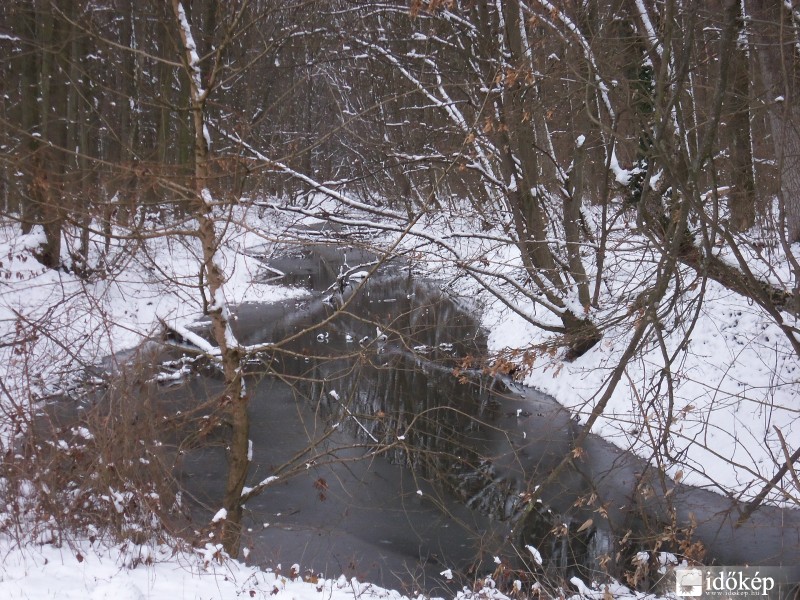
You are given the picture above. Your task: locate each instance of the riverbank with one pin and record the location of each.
(85, 570)
(111, 316)
(55, 324)
(709, 397)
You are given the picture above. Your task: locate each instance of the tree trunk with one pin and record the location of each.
(572, 214)
(529, 217)
(29, 109)
(234, 399)
(48, 165)
(742, 196)
(776, 42)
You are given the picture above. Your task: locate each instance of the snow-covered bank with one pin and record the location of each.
(85, 570)
(47, 312)
(714, 418)
(93, 571)
(53, 324)
(734, 387)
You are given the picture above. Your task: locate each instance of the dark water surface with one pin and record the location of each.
(397, 460)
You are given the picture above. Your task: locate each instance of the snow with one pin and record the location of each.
(117, 589)
(264, 483)
(94, 571)
(191, 50)
(730, 372)
(734, 381)
(622, 176)
(109, 314)
(535, 554)
(737, 364)
(648, 25)
(195, 339)
(220, 515)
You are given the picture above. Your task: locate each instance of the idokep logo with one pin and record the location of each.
(689, 582)
(738, 582)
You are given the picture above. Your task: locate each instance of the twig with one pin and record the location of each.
(756, 502)
(789, 461)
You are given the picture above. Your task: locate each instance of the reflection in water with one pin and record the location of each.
(398, 457)
(377, 378)
(403, 443)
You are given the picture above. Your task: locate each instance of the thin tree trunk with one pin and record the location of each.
(48, 163)
(572, 208)
(234, 399)
(529, 217)
(778, 62)
(743, 186)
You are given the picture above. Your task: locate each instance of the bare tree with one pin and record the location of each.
(776, 36)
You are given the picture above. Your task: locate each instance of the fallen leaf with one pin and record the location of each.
(588, 523)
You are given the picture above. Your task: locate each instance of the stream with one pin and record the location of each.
(398, 459)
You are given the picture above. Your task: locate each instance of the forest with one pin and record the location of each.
(616, 183)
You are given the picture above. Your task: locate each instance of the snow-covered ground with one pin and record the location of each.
(52, 323)
(86, 571)
(734, 384)
(94, 571)
(735, 378)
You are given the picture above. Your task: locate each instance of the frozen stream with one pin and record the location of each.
(446, 491)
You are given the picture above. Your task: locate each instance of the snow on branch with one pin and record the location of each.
(587, 51)
(192, 57)
(192, 338)
(648, 26)
(249, 492)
